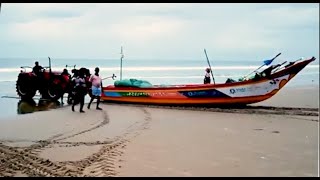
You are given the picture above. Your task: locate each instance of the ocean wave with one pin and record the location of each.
(155, 68)
(216, 76)
(157, 77)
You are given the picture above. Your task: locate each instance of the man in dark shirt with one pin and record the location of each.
(37, 69)
(207, 78)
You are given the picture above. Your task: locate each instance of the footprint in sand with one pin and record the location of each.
(258, 129)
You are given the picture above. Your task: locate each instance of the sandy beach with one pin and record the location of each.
(129, 140)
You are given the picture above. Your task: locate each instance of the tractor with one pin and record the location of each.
(51, 85)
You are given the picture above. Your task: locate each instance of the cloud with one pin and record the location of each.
(159, 30)
(145, 29)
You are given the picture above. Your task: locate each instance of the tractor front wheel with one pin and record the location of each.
(25, 88)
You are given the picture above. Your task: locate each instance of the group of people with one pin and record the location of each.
(79, 90)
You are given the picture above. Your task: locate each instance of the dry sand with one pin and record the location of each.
(126, 140)
(307, 97)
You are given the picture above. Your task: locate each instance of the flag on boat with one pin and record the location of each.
(267, 62)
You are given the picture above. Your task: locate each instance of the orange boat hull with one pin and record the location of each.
(245, 92)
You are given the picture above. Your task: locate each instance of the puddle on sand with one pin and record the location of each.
(30, 106)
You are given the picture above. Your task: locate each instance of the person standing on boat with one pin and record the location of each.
(80, 91)
(207, 79)
(96, 88)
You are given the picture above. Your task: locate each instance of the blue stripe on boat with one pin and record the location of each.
(203, 93)
(112, 94)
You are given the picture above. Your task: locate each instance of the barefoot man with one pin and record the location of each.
(96, 88)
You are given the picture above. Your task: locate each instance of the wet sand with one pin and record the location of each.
(127, 140)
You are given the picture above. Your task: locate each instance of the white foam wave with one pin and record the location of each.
(3, 70)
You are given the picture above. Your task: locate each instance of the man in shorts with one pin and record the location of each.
(96, 88)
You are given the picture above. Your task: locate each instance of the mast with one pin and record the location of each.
(122, 56)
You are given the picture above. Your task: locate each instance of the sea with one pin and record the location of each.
(155, 71)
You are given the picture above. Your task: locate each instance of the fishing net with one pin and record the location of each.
(132, 83)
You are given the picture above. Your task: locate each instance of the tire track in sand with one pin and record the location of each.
(35, 149)
(105, 120)
(105, 166)
(13, 160)
(102, 163)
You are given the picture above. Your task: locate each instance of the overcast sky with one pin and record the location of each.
(159, 31)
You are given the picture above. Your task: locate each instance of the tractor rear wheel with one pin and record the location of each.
(54, 92)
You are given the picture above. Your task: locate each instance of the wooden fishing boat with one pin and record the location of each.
(235, 93)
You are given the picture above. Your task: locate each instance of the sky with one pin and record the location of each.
(177, 31)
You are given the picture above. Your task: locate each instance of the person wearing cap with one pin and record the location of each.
(96, 88)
